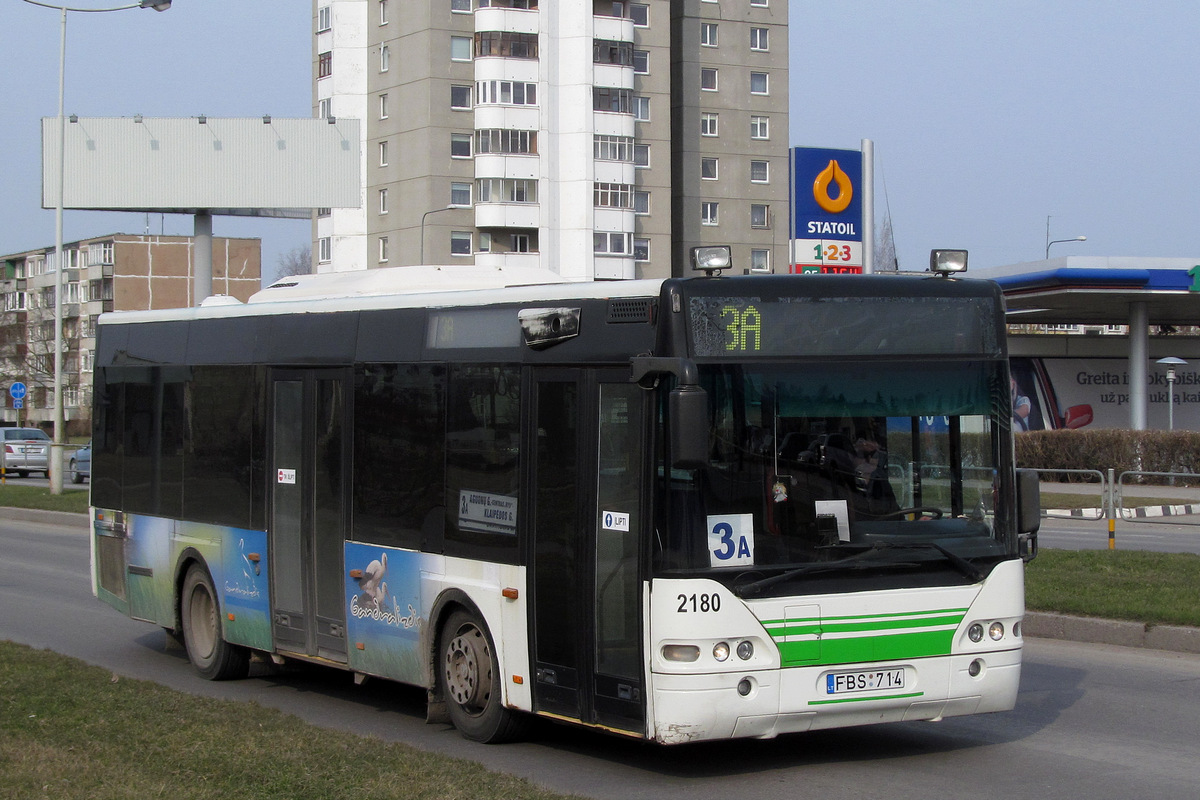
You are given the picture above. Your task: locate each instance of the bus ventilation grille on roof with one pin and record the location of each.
(636, 310)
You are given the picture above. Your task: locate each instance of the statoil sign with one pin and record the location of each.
(827, 218)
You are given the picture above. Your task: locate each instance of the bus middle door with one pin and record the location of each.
(588, 431)
(307, 502)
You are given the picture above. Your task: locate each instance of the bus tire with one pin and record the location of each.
(469, 680)
(213, 657)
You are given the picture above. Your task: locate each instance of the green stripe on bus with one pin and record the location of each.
(885, 647)
(864, 699)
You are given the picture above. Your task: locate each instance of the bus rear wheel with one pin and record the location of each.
(212, 656)
(469, 678)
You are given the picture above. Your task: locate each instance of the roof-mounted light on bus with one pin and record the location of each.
(943, 262)
(711, 259)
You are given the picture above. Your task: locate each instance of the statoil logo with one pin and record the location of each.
(833, 176)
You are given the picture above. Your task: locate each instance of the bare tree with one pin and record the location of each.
(297, 261)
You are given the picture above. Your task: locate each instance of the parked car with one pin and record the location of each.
(26, 450)
(80, 467)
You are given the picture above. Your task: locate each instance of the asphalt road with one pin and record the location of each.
(1159, 534)
(1091, 722)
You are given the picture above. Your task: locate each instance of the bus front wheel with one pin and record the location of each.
(212, 656)
(470, 682)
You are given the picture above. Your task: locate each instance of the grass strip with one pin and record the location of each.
(69, 730)
(1157, 588)
(72, 500)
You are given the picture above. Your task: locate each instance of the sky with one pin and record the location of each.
(986, 117)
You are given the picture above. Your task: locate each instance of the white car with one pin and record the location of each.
(26, 450)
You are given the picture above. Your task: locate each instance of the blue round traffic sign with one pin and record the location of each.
(18, 391)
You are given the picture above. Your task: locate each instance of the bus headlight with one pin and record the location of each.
(996, 631)
(721, 651)
(975, 633)
(680, 652)
(745, 650)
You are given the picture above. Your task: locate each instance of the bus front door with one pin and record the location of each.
(589, 432)
(307, 525)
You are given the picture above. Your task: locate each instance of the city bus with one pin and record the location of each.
(683, 509)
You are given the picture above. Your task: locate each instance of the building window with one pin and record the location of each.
(507, 190)
(383, 12)
(641, 249)
(760, 39)
(708, 79)
(518, 243)
(641, 62)
(461, 6)
(324, 212)
(460, 194)
(383, 248)
(460, 97)
(760, 172)
(607, 51)
(506, 92)
(324, 108)
(506, 44)
(613, 195)
(485, 242)
(760, 215)
(760, 260)
(383, 106)
(610, 244)
(758, 83)
(760, 128)
(708, 34)
(324, 250)
(325, 65)
(611, 98)
(763, 3)
(460, 48)
(641, 155)
(460, 243)
(527, 5)
(383, 201)
(641, 202)
(460, 145)
(641, 108)
(709, 213)
(324, 19)
(709, 124)
(385, 58)
(383, 153)
(708, 169)
(506, 141)
(612, 148)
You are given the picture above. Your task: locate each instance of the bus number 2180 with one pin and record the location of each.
(702, 603)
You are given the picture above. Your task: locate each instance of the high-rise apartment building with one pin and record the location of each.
(600, 140)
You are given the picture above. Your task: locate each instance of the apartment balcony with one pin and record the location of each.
(507, 215)
(516, 20)
(516, 167)
(615, 268)
(617, 28)
(517, 118)
(525, 260)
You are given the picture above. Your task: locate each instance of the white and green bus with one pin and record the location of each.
(681, 509)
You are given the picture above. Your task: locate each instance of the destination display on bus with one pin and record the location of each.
(741, 326)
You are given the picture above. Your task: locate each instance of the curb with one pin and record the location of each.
(1174, 638)
(48, 517)
(1131, 512)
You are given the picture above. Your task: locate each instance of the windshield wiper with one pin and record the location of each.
(751, 589)
(958, 562)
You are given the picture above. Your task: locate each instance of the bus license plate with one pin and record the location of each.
(865, 681)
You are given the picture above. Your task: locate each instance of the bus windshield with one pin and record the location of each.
(824, 464)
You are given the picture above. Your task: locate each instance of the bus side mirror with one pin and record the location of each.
(1029, 512)
(688, 409)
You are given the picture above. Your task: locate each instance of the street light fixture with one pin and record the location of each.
(1171, 363)
(1060, 241)
(56, 446)
(423, 216)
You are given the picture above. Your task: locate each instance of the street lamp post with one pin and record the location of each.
(56, 446)
(1171, 363)
(1060, 241)
(423, 216)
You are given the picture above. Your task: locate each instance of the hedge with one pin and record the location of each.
(1104, 449)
